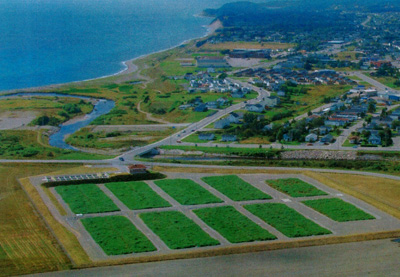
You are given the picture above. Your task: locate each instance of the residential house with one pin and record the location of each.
(288, 137)
(222, 101)
(238, 94)
(184, 107)
(255, 108)
(222, 123)
(311, 138)
(386, 121)
(323, 130)
(271, 101)
(229, 138)
(268, 127)
(206, 136)
(201, 108)
(394, 97)
(327, 139)
(235, 117)
(374, 139)
(354, 139)
(334, 121)
(212, 105)
(281, 93)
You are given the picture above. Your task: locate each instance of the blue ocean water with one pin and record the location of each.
(56, 41)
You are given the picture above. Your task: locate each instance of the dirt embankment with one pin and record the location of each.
(318, 155)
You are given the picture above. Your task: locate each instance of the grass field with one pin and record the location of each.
(247, 45)
(187, 192)
(86, 199)
(116, 235)
(88, 138)
(137, 195)
(338, 209)
(386, 80)
(235, 188)
(176, 230)
(26, 244)
(295, 187)
(286, 220)
(233, 225)
(381, 193)
(27, 144)
(219, 150)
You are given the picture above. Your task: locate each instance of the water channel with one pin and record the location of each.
(101, 107)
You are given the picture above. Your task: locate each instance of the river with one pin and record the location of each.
(102, 106)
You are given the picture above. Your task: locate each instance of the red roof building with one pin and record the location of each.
(137, 168)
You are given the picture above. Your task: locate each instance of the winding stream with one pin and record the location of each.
(103, 106)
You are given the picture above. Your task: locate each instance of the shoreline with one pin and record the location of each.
(130, 66)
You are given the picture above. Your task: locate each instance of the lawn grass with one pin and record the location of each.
(286, 220)
(137, 195)
(235, 188)
(233, 225)
(295, 187)
(116, 235)
(338, 209)
(187, 192)
(176, 230)
(86, 199)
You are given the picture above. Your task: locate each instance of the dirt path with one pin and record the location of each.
(150, 117)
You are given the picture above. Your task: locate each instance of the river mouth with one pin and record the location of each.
(101, 107)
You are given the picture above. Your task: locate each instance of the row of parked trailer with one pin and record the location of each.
(76, 177)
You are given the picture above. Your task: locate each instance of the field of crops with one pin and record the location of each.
(286, 220)
(26, 245)
(187, 192)
(338, 209)
(176, 230)
(116, 235)
(295, 187)
(86, 199)
(137, 195)
(235, 188)
(233, 225)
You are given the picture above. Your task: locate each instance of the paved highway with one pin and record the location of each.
(372, 81)
(194, 127)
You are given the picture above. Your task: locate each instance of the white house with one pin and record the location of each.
(311, 138)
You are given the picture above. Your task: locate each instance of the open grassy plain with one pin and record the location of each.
(176, 230)
(26, 144)
(247, 45)
(286, 220)
(117, 235)
(235, 188)
(233, 225)
(137, 195)
(381, 193)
